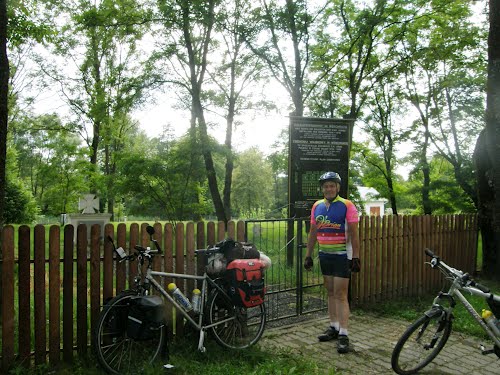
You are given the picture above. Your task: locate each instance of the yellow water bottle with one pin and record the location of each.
(196, 302)
(490, 319)
(180, 297)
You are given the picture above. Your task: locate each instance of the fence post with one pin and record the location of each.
(81, 289)
(190, 265)
(39, 296)
(211, 233)
(7, 297)
(179, 268)
(68, 283)
(121, 267)
(54, 296)
(107, 264)
(24, 290)
(168, 266)
(95, 275)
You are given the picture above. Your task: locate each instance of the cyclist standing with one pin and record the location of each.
(334, 225)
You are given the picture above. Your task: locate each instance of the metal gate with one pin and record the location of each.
(291, 291)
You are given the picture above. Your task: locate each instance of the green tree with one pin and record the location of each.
(50, 161)
(16, 26)
(354, 49)
(108, 78)
(188, 35)
(278, 160)
(252, 187)
(446, 195)
(158, 178)
(386, 136)
(279, 34)
(20, 207)
(443, 83)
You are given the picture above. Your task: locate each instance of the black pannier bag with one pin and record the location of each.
(145, 317)
(246, 282)
(238, 250)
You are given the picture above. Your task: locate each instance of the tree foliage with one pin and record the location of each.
(370, 61)
(252, 187)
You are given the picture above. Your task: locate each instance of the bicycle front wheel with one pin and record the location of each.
(421, 343)
(118, 353)
(234, 327)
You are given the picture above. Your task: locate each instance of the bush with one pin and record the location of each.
(20, 207)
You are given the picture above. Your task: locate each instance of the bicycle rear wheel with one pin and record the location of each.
(235, 327)
(115, 350)
(421, 343)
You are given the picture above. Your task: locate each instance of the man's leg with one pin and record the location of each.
(341, 287)
(332, 332)
(330, 290)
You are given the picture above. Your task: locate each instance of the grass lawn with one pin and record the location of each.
(216, 361)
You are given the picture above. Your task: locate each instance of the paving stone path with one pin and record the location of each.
(372, 339)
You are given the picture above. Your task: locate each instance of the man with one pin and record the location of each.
(334, 225)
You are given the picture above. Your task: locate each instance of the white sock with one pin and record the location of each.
(343, 331)
(335, 325)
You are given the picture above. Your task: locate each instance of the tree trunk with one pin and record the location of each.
(209, 163)
(487, 154)
(392, 196)
(228, 179)
(4, 94)
(426, 171)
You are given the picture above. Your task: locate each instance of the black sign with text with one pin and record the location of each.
(317, 145)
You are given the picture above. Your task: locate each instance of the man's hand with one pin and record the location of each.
(355, 265)
(308, 263)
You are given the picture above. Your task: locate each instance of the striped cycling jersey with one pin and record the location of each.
(331, 222)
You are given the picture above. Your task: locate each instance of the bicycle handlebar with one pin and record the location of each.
(466, 279)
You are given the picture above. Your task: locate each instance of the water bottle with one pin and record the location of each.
(179, 297)
(196, 302)
(490, 319)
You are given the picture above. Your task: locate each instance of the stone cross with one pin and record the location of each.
(89, 204)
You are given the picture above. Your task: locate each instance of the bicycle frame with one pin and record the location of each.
(456, 289)
(206, 280)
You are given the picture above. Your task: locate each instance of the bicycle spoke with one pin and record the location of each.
(420, 344)
(245, 328)
(115, 349)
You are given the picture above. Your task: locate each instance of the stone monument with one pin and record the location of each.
(89, 214)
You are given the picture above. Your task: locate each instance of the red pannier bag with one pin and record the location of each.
(246, 282)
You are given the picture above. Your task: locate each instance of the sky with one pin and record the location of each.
(261, 130)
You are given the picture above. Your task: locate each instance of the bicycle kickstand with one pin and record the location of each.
(201, 348)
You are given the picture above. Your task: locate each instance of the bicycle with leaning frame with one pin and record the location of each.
(425, 338)
(121, 350)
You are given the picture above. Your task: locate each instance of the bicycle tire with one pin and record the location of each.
(244, 327)
(116, 352)
(411, 352)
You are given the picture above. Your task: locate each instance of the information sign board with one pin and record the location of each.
(316, 145)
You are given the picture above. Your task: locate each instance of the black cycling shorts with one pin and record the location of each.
(334, 265)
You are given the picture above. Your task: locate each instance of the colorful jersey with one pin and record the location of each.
(332, 224)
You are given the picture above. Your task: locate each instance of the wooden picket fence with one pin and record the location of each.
(393, 258)
(53, 288)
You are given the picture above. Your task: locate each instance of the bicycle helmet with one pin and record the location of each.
(330, 176)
